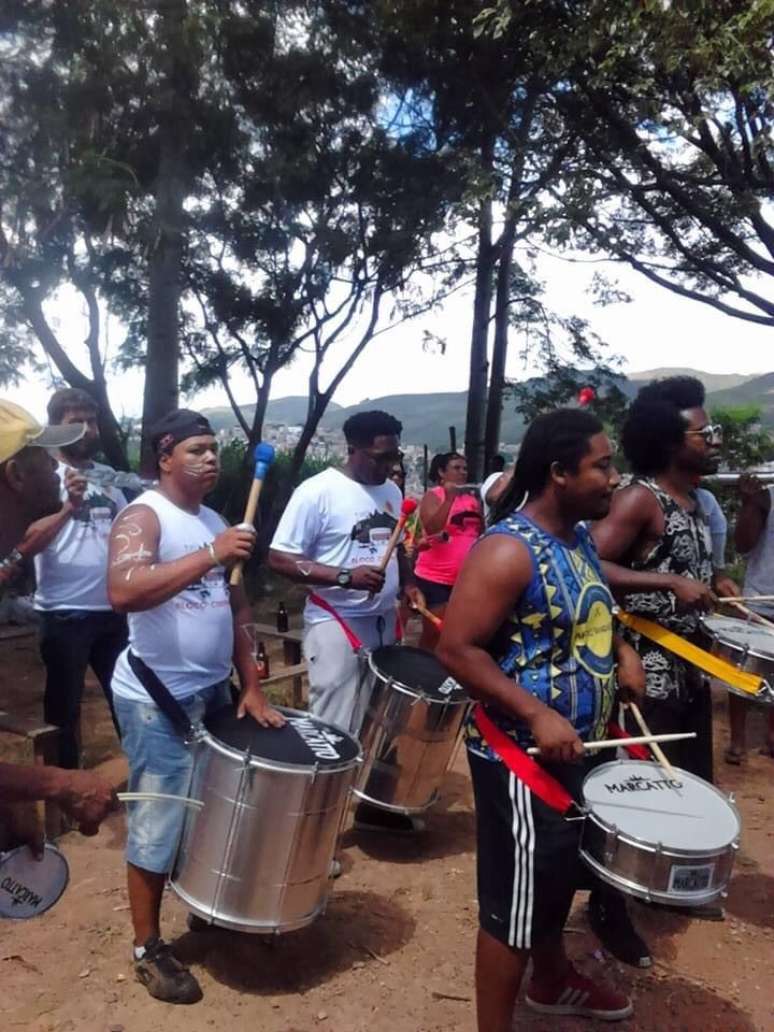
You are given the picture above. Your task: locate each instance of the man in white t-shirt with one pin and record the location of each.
(78, 627)
(168, 560)
(332, 537)
(29, 490)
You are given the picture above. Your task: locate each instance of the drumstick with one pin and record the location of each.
(264, 456)
(655, 748)
(407, 509)
(752, 615)
(615, 743)
(159, 797)
(436, 621)
(746, 598)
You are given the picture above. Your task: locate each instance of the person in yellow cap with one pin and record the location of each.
(29, 490)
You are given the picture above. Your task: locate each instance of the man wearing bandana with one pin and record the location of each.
(168, 562)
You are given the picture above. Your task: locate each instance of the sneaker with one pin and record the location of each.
(610, 922)
(335, 870)
(372, 818)
(164, 976)
(581, 997)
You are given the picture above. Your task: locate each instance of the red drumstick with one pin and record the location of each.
(407, 509)
(436, 621)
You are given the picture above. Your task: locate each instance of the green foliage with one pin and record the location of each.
(745, 443)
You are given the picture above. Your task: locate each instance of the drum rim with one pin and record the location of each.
(631, 839)
(48, 847)
(414, 692)
(766, 657)
(283, 766)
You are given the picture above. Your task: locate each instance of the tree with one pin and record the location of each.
(673, 105)
(313, 245)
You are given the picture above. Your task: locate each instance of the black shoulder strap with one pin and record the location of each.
(161, 695)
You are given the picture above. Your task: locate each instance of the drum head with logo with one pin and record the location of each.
(741, 634)
(642, 801)
(418, 671)
(29, 887)
(304, 740)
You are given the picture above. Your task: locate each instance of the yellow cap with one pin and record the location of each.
(18, 429)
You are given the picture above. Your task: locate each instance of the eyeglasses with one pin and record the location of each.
(710, 432)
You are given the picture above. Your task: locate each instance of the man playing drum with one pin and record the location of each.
(332, 537)
(29, 491)
(753, 537)
(529, 633)
(657, 547)
(168, 559)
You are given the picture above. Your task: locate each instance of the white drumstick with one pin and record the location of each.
(615, 743)
(655, 748)
(159, 797)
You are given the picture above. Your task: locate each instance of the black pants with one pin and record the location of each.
(71, 640)
(693, 712)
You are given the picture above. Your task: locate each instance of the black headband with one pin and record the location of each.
(178, 426)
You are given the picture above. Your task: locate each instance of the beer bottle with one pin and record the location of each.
(262, 662)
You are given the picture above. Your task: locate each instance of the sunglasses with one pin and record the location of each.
(710, 432)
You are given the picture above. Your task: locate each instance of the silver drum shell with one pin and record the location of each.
(257, 857)
(742, 658)
(644, 869)
(408, 740)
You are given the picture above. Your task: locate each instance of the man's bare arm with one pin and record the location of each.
(631, 519)
(138, 581)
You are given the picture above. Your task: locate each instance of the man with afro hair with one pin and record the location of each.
(657, 549)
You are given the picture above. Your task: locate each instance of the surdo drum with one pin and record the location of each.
(660, 839)
(29, 886)
(410, 729)
(257, 856)
(748, 646)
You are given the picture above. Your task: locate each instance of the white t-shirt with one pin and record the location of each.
(189, 640)
(759, 576)
(72, 571)
(337, 521)
(490, 481)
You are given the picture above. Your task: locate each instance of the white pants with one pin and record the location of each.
(337, 692)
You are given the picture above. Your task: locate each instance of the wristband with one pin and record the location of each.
(211, 549)
(12, 559)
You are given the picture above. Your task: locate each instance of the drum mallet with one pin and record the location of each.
(655, 748)
(408, 508)
(436, 621)
(264, 456)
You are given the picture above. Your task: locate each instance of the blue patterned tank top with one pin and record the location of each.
(558, 642)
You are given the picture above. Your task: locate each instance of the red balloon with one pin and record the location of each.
(586, 395)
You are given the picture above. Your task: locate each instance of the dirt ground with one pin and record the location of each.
(394, 951)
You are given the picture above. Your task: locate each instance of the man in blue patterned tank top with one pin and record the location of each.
(529, 633)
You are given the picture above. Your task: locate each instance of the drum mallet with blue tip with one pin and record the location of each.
(264, 456)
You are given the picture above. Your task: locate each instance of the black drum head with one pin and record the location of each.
(303, 741)
(418, 670)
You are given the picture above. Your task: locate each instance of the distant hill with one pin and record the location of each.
(757, 391)
(426, 418)
(712, 381)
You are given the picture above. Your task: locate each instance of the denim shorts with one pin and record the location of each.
(159, 761)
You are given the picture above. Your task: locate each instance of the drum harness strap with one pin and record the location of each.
(166, 702)
(714, 665)
(535, 777)
(349, 634)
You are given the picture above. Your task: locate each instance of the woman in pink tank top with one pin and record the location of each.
(452, 521)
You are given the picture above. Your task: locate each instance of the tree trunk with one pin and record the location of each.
(164, 273)
(479, 365)
(494, 407)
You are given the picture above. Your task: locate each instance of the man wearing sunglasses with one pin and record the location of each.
(657, 550)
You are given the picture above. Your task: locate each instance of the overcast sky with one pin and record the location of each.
(656, 329)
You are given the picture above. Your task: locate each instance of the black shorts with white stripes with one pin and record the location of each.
(527, 854)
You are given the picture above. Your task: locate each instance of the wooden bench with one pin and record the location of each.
(44, 739)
